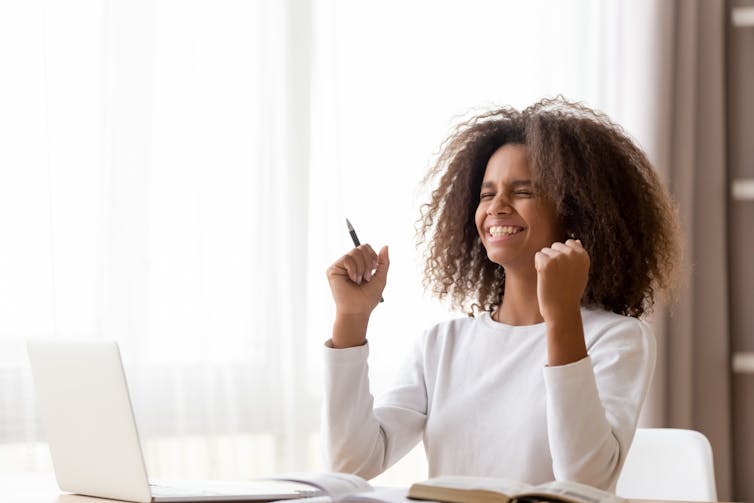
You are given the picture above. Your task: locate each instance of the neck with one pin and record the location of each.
(520, 305)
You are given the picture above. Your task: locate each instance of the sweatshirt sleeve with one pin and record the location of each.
(360, 436)
(593, 405)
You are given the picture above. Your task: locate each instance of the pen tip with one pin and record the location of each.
(348, 223)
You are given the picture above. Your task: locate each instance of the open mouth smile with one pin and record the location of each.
(497, 231)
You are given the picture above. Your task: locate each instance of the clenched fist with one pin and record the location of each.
(562, 274)
(357, 280)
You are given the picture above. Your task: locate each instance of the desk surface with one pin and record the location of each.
(42, 488)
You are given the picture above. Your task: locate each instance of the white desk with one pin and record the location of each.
(42, 488)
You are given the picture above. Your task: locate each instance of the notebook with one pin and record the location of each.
(89, 423)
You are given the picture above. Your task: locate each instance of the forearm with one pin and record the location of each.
(582, 442)
(349, 330)
(359, 436)
(593, 404)
(565, 338)
(352, 438)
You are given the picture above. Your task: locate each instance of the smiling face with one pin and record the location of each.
(513, 221)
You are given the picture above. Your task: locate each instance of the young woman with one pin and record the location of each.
(552, 229)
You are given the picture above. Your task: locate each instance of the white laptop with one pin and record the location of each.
(89, 422)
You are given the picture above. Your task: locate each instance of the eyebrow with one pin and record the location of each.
(513, 184)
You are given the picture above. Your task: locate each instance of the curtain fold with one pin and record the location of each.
(158, 196)
(695, 366)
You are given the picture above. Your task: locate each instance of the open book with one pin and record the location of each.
(347, 488)
(494, 490)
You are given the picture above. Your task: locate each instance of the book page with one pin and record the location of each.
(379, 495)
(499, 485)
(573, 491)
(335, 485)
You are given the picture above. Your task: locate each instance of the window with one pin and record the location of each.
(175, 175)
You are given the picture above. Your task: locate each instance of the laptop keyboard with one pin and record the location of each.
(163, 490)
(166, 490)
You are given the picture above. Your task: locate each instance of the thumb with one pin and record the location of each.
(540, 259)
(383, 264)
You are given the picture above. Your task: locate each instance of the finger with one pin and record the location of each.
(574, 243)
(370, 261)
(337, 269)
(566, 247)
(550, 252)
(540, 260)
(354, 266)
(368, 252)
(362, 260)
(383, 264)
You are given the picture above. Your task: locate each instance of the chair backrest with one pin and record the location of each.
(668, 464)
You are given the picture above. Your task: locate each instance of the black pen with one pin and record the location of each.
(355, 240)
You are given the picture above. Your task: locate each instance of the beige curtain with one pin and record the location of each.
(693, 370)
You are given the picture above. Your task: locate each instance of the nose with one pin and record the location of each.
(499, 206)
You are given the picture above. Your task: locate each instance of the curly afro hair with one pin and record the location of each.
(603, 186)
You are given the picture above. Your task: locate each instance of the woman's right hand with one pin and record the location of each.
(357, 280)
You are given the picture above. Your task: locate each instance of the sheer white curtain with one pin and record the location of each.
(175, 175)
(154, 192)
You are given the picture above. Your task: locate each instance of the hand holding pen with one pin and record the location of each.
(356, 242)
(358, 278)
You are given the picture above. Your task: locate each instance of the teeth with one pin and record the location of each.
(500, 230)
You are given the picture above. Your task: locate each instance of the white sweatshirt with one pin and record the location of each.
(480, 395)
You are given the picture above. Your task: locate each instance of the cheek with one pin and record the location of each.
(545, 220)
(553, 227)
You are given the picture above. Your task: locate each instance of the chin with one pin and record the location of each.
(497, 258)
(507, 260)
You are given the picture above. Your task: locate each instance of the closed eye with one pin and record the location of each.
(486, 195)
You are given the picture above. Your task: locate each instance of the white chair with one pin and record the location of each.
(668, 464)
